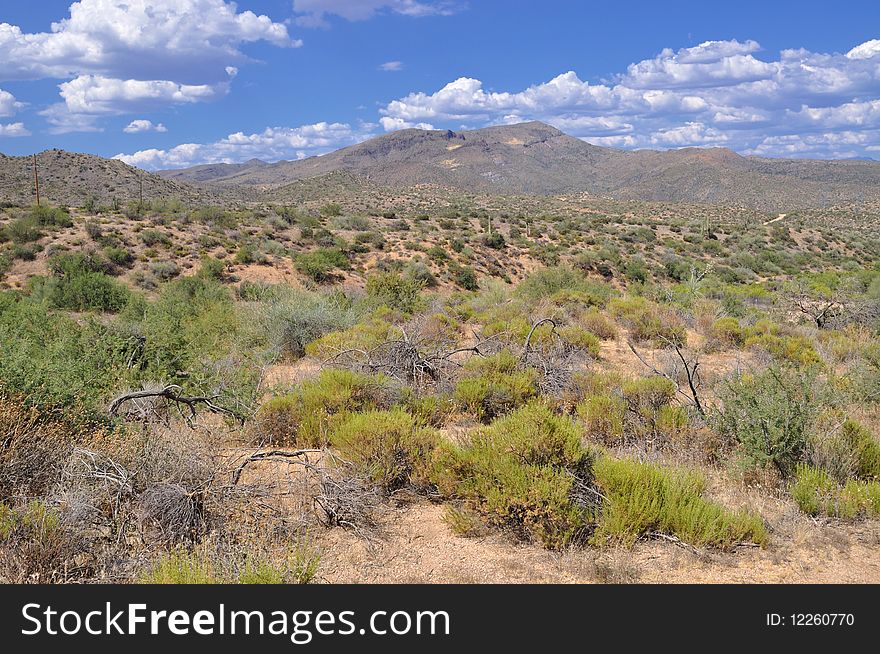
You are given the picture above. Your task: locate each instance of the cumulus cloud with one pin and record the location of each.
(143, 39)
(272, 144)
(312, 13)
(392, 124)
(13, 130)
(127, 56)
(9, 106)
(91, 94)
(715, 93)
(140, 126)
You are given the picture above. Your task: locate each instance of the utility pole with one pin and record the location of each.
(36, 181)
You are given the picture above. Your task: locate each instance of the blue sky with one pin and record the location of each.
(169, 83)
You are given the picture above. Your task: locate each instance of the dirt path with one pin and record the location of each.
(774, 220)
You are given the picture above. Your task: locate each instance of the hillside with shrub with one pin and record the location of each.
(575, 391)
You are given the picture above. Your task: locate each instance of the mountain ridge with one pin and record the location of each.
(536, 159)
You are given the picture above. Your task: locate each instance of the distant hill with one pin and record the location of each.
(534, 158)
(68, 178)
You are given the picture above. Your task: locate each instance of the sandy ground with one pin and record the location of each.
(416, 546)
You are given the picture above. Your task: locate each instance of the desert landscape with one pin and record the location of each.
(501, 355)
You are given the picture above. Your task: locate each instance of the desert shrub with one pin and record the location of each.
(308, 416)
(817, 493)
(153, 237)
(80, 283)
(866, 448)
(428, 410)
(180, 567)
(526, 472)
(165, 270)
(389, 447)
(768, 415)
(495, 240)
(201, 566)
(319, 265)
(547, 282)
(463, 521)
(726, 332)
(604, 418)
(21, 230)
(465, 277)
(494, 385)
(294, 319)
(645, 498)
(599, 324)
(395, 291)
(34, 442)
(844, 451)
(361, 336)
(581, 339)
(52, 360)
(193, 334)
(212, 269)
(37, 547)
(792, 349)
(648, 321)
(119, 256)
(248, 254)
(47, 216)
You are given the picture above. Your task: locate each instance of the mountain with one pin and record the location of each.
(534, 158)
(70, 179)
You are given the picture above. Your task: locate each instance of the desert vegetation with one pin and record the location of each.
(198, 394)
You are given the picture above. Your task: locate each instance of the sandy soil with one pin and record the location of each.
(416, 546)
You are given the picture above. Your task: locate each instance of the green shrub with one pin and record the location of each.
(21, 230)
(768, 416)
(46, 216)
(645, 498)
(604, 418)
(395, 291)
(727, 332)
(579, 338)
(648, 321)
(599, 324)
(153, 237)
(308, 416)
(180, 567)
(293, 319)
(494, 385)
(361, 336)
(817, 493)
(547, 282)
(526, 472)
(35, 547)
(465, 277)
(319, 265)
(79, 283)
(389, 447)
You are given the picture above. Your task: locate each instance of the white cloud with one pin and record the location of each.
(13, 130)
(90, 94)
(140, 126)
(131, 55)
(866, 50)
(392, 124)
(272, 144)
(9, 106)
(715, 93)
(189, 40)
(312, 13)
(391, 66)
